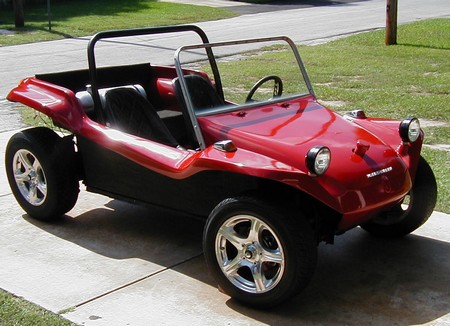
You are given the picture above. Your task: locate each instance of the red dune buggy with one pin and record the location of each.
(231, 132)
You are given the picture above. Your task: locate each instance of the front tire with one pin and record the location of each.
(41, 172)
(257, 254)
(414, 211)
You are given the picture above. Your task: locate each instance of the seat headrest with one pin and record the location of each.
(87, 103)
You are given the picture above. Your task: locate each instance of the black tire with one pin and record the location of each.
(282, 253)
(41, 171)
(413, 212)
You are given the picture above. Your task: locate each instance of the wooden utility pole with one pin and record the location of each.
(391, 22)
(19, 17)
(49, 14)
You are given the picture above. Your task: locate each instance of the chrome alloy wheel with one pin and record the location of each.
(249, 254)
(30, 177)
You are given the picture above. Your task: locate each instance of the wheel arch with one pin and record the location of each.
(299, 204)
(39, 159)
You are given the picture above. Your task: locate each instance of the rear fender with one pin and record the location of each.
(58, 103)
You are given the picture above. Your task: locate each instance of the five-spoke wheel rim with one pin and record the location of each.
(249, 254)
(30, 177)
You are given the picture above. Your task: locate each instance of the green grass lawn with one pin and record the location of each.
(81, 18)
(16, 311)
(412, 77)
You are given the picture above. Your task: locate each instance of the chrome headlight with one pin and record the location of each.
(409, 130)
(318, 160)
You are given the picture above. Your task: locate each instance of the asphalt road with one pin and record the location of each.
(303, 25)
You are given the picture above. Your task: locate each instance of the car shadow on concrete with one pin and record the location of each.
(362, 280)
(120, 230)
(359, 280)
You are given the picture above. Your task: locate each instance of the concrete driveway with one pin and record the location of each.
(112, 263)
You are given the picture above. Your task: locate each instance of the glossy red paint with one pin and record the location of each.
(57, 102)
(272, 143)
(388, 130)
(353, 184)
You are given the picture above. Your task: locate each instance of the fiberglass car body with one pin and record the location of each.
(235, 136)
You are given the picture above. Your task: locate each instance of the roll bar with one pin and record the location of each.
(135, 32)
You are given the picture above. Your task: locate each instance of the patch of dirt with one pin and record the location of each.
(6, 32)
(432, 123)
(333, 104)
(440, 147)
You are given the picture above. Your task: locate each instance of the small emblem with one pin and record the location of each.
(379, 172)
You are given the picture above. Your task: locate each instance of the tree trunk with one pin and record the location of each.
(391, 22)
(19, 17)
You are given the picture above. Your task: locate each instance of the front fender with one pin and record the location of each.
(388, 131)
(249, 163)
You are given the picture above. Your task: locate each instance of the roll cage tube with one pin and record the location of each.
(135, 32)
(208, 47)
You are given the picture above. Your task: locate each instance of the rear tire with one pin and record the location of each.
(414, 211)
(258, 255)
(41, 171)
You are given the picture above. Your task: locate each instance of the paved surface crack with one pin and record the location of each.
(132, 282)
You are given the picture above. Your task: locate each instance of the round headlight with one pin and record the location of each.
(318, 160)
(409, 130)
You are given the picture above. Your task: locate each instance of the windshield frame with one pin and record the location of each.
(208, 47)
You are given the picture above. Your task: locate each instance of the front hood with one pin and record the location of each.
(287, 131)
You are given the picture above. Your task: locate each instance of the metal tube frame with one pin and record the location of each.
(209, 46)
(135, 32)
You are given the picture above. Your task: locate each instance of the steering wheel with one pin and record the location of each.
(277, 87)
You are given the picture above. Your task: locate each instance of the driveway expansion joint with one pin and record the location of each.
(83, 303)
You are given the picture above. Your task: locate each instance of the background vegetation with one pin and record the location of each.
(81, 18)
